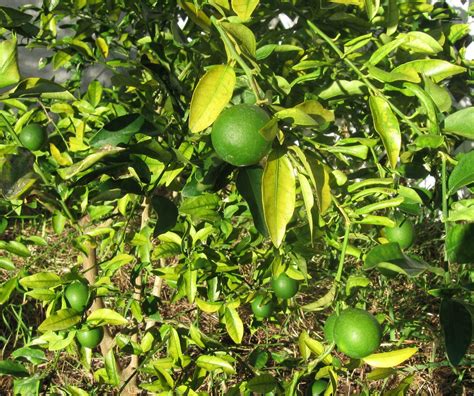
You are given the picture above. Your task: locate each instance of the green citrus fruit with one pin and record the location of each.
(317, 388)
(284, 286)
(77, 295)
(235, 135)
(33, 136)
(260, 309)
(329, 327)
(90, 338)
(357, 333)
(403, 232)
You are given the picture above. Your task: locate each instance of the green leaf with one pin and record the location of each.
(262, 383)
(458, 243)
(316, 347)
(380, 373)
(16, 248)
(41, 294)
(323, 302)
(343, 88)
(386, 124)
(440, 95)
(111, 367)
(212, 93)
(9, 367)
(390, 359)
(105, 316)
(41, 280)
(462, 174)
(121, 130)
(212, 363)
(383, 51)
(234, 325)
(308, 199)
(34, 87)
(7, 289)
(460, 123)
(9, 72)
(456, 321)
(167, 213)
(391, 17)
(243, 35)
(6, 264)
(174, 345)
(390, 257)
(201, 207)
(419, 42)
(278, 192)
(249, 185)
(356, 281)
(244, 8)
(437, 69)
(196, 14)
(462, 210)
(60, 320)
(86, 163)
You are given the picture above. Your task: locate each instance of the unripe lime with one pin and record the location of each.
(33, 136)
(235, 135)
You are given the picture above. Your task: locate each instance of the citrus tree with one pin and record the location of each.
(252, 198)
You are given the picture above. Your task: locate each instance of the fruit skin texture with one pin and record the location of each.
(329, 327)
(261, 310)
(235, 135)
(357, 333)
(90, 338)
(33, 136)
(403, 232)
(284, 287)
(77, 295)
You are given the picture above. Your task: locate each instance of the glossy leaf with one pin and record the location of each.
(457, 323)
(458, 243)
(234, 325)
(9, 71)
(308, 200)
(41, 280)
(262, 383)
(383, 51)
(278, 192)
(419, 42)
(243, 35)
(460, 123)
(60, 320)
(10, 367)
(249, 185)
(437, 69)
(104, 316)
(386, 124)
(343, 88)
(34, 87)
(397, 261)
(462, 174)
(212, 363)
(390, 359)
(212, 93)
(244, 8)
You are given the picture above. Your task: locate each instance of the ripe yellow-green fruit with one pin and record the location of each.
(235, 135)
(284, 287)
(357, 333)
(403, 232)
(77, 295)
(90, 338)
(33, 136)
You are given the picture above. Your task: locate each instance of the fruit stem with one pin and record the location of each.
(253, 84)
(374, 89)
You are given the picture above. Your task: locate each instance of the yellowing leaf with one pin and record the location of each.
(278, 194)
(61, 159)
(234, 324)
(106, 316)
(9, 73)
(213, 91)
(386, 124)
(197, 15)
(390, 359)
(103, 47)
(211, 363)
(244, 8)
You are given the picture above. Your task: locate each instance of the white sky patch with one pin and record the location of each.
(428, 183)
(182, 22)
(286, 21)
